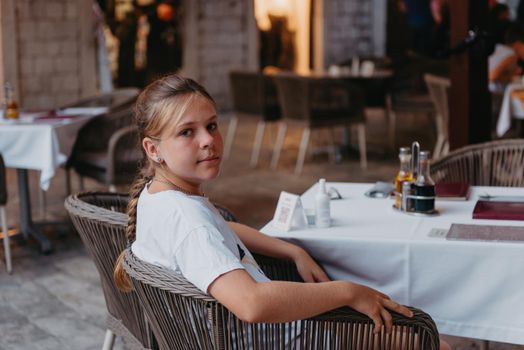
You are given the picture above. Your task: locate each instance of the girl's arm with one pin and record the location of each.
(278, 301)
(257, 242)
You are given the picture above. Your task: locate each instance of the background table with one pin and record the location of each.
(43, 145)
(471, 288)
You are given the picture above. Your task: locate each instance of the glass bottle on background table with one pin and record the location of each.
(404, 173)
(10, 105)
(424, 186)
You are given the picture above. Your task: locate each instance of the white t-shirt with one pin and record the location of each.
(188, 235)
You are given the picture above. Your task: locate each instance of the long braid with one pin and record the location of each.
(120, 276)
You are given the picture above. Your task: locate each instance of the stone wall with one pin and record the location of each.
(218, 42)
(56, 46)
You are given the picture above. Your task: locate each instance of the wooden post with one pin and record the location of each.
(470, 100)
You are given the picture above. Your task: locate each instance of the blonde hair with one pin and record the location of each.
(158, 107)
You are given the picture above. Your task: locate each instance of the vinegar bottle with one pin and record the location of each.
(424, 186)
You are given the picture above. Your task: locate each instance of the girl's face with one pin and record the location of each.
(192, 149)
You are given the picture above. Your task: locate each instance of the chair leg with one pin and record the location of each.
(445, 148)
(282, 128)
(7, 247)
(68, 181)
(230, 136)
(42, 203)
(259, 136)
(302, 151)
(333, 156)
(438, 146)
(362, 146)
(109, 340)
(391, 120)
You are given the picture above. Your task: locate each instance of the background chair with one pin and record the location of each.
(409, 94)
(438, 88)
(106, 147)
(182, 317)
(101, 222)
(495, 163)
(3, 216)
(318, 103)
(254, 95)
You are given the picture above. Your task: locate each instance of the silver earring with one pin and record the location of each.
(158, 159)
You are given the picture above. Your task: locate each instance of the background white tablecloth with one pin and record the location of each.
(41, 145)
(471, 288)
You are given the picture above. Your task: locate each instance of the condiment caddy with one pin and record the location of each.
(414, 188)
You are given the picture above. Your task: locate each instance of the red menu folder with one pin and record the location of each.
(492, 210)
(452, 191)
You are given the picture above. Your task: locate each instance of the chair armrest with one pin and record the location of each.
(122, 148)
(173, 306)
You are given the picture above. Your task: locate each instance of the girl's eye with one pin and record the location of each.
(212, 126)
(186, 132)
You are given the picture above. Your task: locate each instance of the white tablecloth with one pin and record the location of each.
(39, 145)
(470, 288)
(511, 108)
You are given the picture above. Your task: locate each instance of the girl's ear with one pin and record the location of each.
(151, 148)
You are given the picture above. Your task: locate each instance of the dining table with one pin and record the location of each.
(40, 141)
(471, 287)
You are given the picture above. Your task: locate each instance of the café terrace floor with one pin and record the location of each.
(55, 301)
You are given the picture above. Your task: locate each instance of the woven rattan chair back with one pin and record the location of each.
(101, 221)
(438, 88)
(253, 95)
(182, 317)
(495, 163)
(106, 148)
(318, 102)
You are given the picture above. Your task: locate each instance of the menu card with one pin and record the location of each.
(452, 191)
(492, 210)
(486, 233)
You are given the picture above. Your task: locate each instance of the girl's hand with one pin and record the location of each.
(308, 268)
(375, 304)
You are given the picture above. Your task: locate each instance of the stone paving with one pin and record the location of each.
(55, 301)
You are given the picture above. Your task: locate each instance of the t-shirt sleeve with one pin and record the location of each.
(202, 257)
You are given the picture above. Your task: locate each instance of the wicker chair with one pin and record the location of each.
(254, 95)
(438, 88)
(182, 317)
(495, 163)
(318, 103)
(106, 147)
(409, 93)
(101, 221)
(3, 216)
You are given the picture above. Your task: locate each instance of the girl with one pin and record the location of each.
(172, 223)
